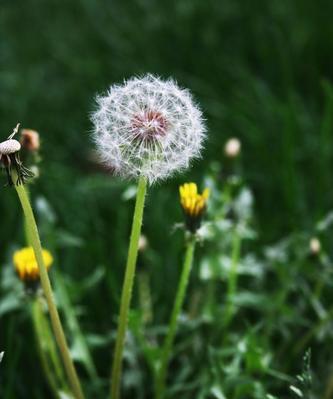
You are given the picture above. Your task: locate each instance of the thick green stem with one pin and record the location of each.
(233, 276)
(127, 288)
(34, 239)
(178, 304)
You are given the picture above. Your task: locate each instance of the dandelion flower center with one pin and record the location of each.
(149, 124)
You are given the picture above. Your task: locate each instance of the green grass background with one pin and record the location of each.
(261, 70)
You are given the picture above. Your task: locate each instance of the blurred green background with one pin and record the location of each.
(262, 72)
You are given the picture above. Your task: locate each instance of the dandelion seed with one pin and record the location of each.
(26, 266)
(147, 127)
(193, 204)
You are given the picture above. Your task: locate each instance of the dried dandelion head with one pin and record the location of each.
(11, 162)
(147, 127)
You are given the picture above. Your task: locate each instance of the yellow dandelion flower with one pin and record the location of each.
(26, 265)
(193, 204)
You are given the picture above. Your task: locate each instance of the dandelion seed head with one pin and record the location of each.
(10, 159)
(9, 147)
(148, 127)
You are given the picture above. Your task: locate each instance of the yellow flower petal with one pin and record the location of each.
(26, 265)
(192, 202)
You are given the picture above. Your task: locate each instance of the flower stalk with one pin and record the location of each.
(127, 288)
(233, 277)
(177, 307)
(194, 206)
(32, 233)
(47, 350)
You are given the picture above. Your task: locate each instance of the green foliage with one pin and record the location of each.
(262, 71)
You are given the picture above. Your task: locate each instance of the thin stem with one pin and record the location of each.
(45, 281)
(178, 304)
(233, 276)
(41, 344)
(73, 325)
(145, 297)
(127, 288)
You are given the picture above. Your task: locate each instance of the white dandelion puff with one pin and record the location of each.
(148, 127)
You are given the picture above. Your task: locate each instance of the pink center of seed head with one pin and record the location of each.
(149, 124)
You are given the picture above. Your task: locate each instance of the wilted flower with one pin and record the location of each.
(232, 147)
(147, 127)
(193, 204)
(10, 159)
(30, 139)
(26, 265)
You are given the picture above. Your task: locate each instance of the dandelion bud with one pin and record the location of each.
(30, 139)
(147, 127)
(232, 148)
(26, 265)
(193, 204)
(143, 243)
(315, 246)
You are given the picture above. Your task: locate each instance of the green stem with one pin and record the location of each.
(38, 328)
(127, 288)
(45, 281)
(73, 325)
(233, 276)
(178, 304)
